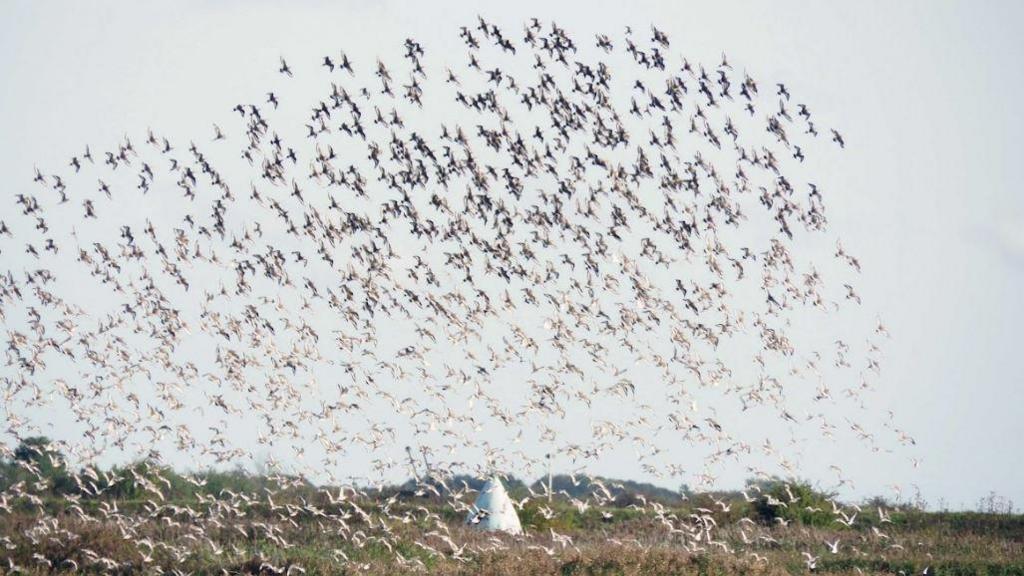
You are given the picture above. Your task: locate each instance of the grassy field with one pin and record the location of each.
(192, 537)
(51, 522)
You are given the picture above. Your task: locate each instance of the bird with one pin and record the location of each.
(838, 138)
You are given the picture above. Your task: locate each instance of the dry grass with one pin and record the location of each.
(265, 542)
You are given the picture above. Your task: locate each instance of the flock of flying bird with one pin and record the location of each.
(551, 248)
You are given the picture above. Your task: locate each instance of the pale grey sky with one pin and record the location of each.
(926, 194)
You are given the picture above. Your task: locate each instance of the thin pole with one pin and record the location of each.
(549, 477)
(426, 463)
(412, 463)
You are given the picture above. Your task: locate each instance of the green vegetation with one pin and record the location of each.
(143, 519)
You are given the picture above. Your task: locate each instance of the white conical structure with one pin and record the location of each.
(493, 509)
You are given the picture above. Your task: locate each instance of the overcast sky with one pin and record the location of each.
(927, 194)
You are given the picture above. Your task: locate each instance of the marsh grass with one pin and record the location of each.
(225, 524)
(631, 544)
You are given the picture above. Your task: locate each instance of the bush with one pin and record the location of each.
(793, 502)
